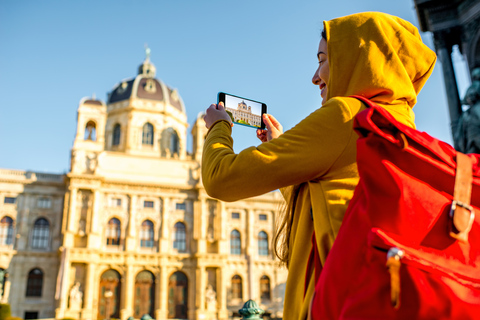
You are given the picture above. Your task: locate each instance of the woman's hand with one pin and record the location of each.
(214, 113)
(274, 129)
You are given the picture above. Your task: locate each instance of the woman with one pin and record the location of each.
(371, 54)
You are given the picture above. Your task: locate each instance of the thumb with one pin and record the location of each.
(268, 122)
(274, 122)
(220, 106)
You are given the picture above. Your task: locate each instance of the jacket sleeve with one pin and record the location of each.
(303, 153)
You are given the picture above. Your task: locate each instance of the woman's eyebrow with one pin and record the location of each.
(320, 52)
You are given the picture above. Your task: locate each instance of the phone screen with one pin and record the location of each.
(243, 111)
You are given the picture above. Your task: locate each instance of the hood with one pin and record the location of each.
(380, 57)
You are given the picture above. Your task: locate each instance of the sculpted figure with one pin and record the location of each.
(467, 136)
(210, 298)
(76, 297)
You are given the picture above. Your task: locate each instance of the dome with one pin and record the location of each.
(146, 86)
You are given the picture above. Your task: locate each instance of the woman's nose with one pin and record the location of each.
(316, 78)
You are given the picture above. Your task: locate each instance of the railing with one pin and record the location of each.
(30, 175)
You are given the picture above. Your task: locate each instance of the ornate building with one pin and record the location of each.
(452, 22)
(130, 230)
(244, 113)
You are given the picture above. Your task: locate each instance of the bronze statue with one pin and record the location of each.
(467, 136)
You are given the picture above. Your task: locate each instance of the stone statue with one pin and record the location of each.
(467, 135)
(76, 297)
(210, 298)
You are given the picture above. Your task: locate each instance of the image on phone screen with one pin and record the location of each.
(243, 111)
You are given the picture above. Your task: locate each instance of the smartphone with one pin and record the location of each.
(244, 111)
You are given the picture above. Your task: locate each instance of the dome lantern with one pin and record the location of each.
(147, 68)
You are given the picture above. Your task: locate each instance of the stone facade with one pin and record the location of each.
(129, 230)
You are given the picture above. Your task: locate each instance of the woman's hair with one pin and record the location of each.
(281, 240)
(324, 34)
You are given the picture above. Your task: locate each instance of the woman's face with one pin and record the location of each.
(320, 78)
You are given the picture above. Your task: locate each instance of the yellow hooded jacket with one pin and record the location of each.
(372, 54)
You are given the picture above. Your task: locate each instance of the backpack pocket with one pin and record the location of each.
(422, 282)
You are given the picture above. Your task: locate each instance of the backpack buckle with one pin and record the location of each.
(463, 217)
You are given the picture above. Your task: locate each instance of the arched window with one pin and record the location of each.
(147, 134)
(180, 237)
(262, 244)
(116, 135)
(90, 131)
(170, 142)
(6, 231)
(235, 243)
(109, 294)
(265, 288)
(178, 296)
(237, 292)
(34, 283)
(174, 147)
(146, 234)
(40, 234)
(144, 300)
(113, 232)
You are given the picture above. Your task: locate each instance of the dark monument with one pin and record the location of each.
(454, 22)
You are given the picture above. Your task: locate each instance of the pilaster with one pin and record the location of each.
(162, 311)
(127, 310)
(164, 239)
(130, 242)
(94, 236)
(72, 218)
(222, 283)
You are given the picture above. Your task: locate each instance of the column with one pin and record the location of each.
(250, 250)
(94, 234)
(223, 247)
(73, 210)
(64, 284)
(127, 310)
(89, 294)
(162, 313)
(444, 55)
(130, 243)
(200, 290)
(164, 240)
(72, 218)
(222, 283)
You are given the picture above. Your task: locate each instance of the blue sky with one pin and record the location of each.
(54, 53)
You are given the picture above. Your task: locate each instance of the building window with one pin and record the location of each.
(10, 200)
(264, 288)
(146, 234)
(113, 232)
(235, 243)
(44, 203)
(180, 237)
(262, 244)
(41, 234)
(6, 231)
(235, 215)
(148, 204)
(262, 217)
(147, 134)
(116, 202)
(174, 143)
(116, 135)
(35, 283)
(180, 206)
(237, 292)
(90, 131)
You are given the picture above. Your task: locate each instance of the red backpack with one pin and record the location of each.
(409, 245)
